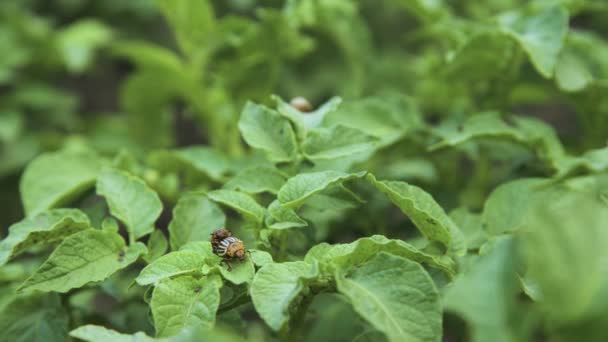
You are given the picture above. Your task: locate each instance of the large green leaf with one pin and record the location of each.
(541, 35)
(471, 226)
(280, 217)
(45, 228)
(336, 142)
(34, 318)
(506, 208)
(157, 246)
(257, 179)
(55, 179)
(184, 302)
(582, 61)
(387, 117)
(302, 186)
(564, 247)
(88, 256)
(203, 160)
(359, 251)
(169, 265)
(192, 22)
(239, 272)
(485, 55)
(531, 133)
(195, 217)
(145, 97)
(425, 213)
(276, 288)
(485, 294)
(395, 295)
(240, 202)
(96, 333)
(260, 258)
(265, 129)
(78, 42)
(130, 200)
(150, 56)
(592, 161)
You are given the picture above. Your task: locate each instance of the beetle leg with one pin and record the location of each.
(227, 263)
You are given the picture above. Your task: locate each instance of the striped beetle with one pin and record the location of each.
(227, 246)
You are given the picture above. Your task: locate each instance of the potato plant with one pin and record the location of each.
(442, 174)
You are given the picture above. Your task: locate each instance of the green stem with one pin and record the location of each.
(283, 245)
(298, 320)
(238, 301)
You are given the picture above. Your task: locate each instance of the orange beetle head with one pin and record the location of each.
(240, 254)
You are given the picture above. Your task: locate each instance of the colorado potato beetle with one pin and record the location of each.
(227, 246)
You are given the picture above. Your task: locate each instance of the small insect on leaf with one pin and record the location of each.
(301, 104)
(227, 246)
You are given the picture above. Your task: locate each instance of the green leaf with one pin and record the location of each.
(240, 272)
(485, 295)
(531, 133)
(335, 142)
(361, 250)
(130, 200)
(54, 179)
(157, 246)
(506, 208)
(45, 228)
(395, 295)
(204, 160)
(240, 202)
(299, 188)
(170, 265)
(592, 161)
(150, 56)
(78, 42)
(471, 226)
(387, 117)
(571, 74)
(192, 21)
(582, 61)
(17, 154)
(280, 217)
(184, 302)
(265, 129)
(145, 97)
(11, 126)
(96, 333)
(34, 318)
(564, 248)
(203, 248)
(424, 212)
(260, 258)
(305, 121)
(257, 179)
(541, 35)
(88, 256)
(485, 55)
(195, 217)
(335, 320)
(276, 288)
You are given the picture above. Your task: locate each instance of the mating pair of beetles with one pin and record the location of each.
(227, 246)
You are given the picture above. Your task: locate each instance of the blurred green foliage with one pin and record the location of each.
(171, 118)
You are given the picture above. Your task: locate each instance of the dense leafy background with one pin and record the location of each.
(451, 182)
